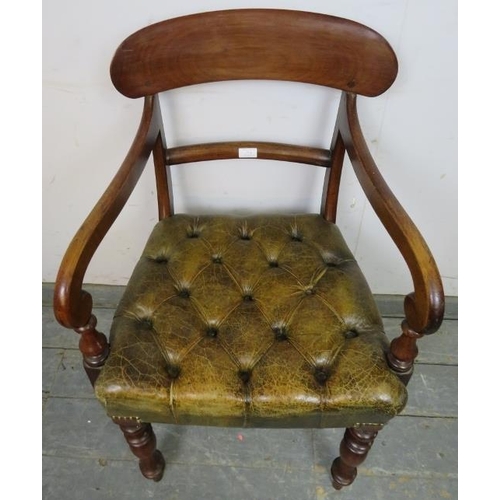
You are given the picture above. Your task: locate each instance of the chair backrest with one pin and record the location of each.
(255, 44)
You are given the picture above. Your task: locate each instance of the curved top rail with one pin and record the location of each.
(254, 44)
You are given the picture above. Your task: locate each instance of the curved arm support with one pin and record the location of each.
(424, 307)
(72, 305)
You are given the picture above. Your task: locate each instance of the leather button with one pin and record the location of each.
(350, 334)
(331, 259)
(160, 259)
(280, 332)
(184, 292)
(173, 371)
(193, 229)
(322, 374)
(217, 259)
(146, 323)
(244, 375)
(244, 233)
(273, 263)
(212, 331)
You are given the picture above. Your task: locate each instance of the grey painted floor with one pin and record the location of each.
(85, 456)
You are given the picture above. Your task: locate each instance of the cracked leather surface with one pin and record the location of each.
(262, 321)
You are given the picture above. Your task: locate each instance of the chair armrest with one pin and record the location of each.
(72, 305)
(424, 307)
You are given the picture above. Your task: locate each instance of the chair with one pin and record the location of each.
(265, 320)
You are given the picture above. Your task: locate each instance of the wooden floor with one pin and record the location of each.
(85, 456)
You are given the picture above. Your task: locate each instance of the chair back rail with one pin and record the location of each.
(254, 44)
(260, 150)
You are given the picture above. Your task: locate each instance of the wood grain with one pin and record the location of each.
(424, 307)
(258, 44)
(265, 151)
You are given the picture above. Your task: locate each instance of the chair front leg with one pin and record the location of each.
(142, 442)
(403, 352)
(354, 448)
(94, 348)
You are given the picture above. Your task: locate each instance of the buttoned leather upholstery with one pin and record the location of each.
(249, 321)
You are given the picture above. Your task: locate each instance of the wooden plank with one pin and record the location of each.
(433, 391)
(98, 479)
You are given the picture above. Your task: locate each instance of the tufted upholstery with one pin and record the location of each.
(256, 321)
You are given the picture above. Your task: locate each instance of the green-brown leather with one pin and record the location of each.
(263, 321)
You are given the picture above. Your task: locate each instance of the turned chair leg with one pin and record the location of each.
(403, 352)
(142, 441)
(94, 348)
(354, 448)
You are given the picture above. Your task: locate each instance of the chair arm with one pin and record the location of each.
(424, 307)
(72, 305)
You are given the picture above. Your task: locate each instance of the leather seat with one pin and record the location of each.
(261, 321)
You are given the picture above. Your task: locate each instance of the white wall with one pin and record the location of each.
(411, 131)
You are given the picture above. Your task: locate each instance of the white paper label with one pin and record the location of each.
(247, 152)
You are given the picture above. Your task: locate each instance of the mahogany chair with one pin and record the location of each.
(266, 320)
